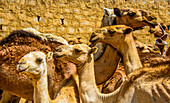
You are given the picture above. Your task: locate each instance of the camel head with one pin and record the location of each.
(77, 54)
(135, 18)
(158, 31)
(161, 33)
(34, 63)
(112, 35)
(108, 17)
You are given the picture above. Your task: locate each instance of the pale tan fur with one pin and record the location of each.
(34, 65)
(135, 89)
(82, 56)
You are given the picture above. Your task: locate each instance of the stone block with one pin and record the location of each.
(84, 22)
(90, 29)
(49, 29)
(25, 24)
(35, 19)
(31, 2)
(77, 11)
(43, 20)
(78, 17)
(67, 10)
(48, 15)
(1, 20)
(86, 12)
(11, 16)
(22, 16)
(4, 27)
(82, 30)
(29, 19)
(22, 2)
(71, 30)
(75, 23)
(61, 29)
(56, 22)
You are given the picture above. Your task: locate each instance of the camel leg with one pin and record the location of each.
(9, 98)
(22, 100)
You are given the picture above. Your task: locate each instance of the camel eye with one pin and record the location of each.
(164, 27)
(39, 60)
(111, 31)
(132, 14)
(77, 50)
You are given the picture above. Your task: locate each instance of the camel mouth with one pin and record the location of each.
(150, 23)
(94, 41)
(22, 69)
(101, 50)
(57, 55)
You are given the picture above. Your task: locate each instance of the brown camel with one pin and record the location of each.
(135, 18)
(19, 43)
(143, 86)
(161, 32)
(120, 38)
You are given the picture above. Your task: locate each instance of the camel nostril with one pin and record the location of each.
(23, 62)
(93, 35)
(58, 50)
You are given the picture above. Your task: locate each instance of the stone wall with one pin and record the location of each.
(71, 18)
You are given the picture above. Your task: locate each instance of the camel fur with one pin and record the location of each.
(35, 66)
(16, 45)
(128, 91)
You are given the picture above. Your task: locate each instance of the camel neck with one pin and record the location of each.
(106, 65)
(88, 88)
(41, 88)
(130, 55)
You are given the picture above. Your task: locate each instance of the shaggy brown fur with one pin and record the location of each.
(153, 73)
(16, 45)
(148, 60)
(149, 85)
(168, 52)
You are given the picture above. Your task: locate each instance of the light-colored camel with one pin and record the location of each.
(132, 90)
(82, 56)
(106, 58)
(19, 43)
(35, 66)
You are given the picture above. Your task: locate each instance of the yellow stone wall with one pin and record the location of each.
(71, 18)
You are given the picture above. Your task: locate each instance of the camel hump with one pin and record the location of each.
(19, 33)
(48, 36)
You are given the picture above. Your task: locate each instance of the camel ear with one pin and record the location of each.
(106, 12)
(49, 56)
(131, 14)
(168, 27)
(127, 31)
(93, 50)
(117, 12)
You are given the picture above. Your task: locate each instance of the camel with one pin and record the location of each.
(35, 66)
(135, 18)
(133, 89)
(132, 57)
(106, 58)
(161, 32)
(129, 53)
(19, 43)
